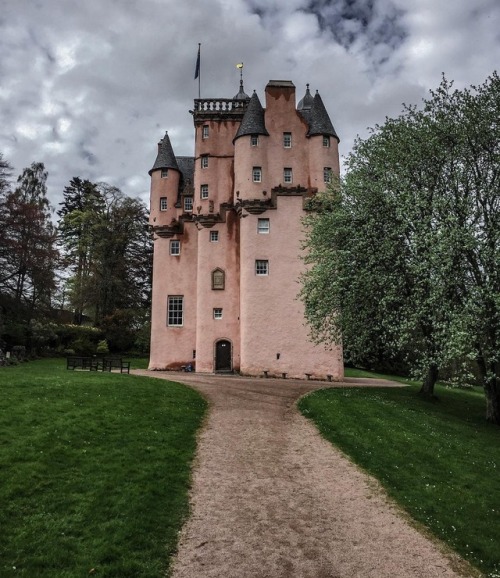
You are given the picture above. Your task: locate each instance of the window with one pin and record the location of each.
(218, 279)
(163, 203)
(263, 226)
(204, 191)
(254, 140)
(326, 141)
(175, 247)
(287, 140)
(205, 132)
(214, 236)
(327, 174)
(188, 204)
(257, 174)
(217, 313)
(287, 175)
(164, 173)
(204, 162)
(261, 267)
(175, 310)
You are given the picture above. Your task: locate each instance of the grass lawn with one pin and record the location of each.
(439, 460)
(94, 469)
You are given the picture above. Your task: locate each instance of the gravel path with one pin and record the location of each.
(271, 498)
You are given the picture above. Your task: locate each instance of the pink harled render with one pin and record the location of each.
(234, 214)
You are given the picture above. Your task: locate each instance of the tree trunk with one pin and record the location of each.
(492, 393)
(427, 388)
(491, 384)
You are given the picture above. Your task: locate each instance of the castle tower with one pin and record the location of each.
(227, 299)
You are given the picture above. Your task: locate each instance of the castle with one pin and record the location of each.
(228, 232)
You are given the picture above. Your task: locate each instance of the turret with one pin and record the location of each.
(165, 185)
(250, 150)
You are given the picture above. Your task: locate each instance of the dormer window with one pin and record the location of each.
(254, 140)
(205, 131)
(164, 173)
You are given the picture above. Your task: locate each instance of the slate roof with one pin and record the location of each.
(318, 119)
(306, 102)
(253, 120)
(186, 166)
(241, 94)
(165, 158)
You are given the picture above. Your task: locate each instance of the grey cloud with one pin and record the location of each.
(93, 88)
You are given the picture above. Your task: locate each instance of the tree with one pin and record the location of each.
(29, 257)
(473, 226)
(109, 251)
(5, 174)
(404, 253)
(79, 214)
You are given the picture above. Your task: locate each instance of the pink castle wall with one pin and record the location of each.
(263, 318)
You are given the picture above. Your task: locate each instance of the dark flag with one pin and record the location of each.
(197, 69)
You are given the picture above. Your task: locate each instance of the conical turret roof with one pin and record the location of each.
(165, 158)
(318, 119)
(306, 102)
(253, 120)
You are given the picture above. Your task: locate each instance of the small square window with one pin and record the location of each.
(254, 140)
(205, 132)
(188, 204)
(326, 141)
(204, 191)
(204, 162)
(261, 267)
(163, 203)
(214, 236)
(287, 140)
(217, 313)
(175, 247)
(257, 174)
(164, 173)
(287, 176)
(263, 226)
(327, 174)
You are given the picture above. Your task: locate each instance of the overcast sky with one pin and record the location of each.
(89, 87)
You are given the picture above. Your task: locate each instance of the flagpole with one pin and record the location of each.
(199, 70)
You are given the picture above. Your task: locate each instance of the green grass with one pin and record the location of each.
(138, 362)
(439, 459)
(94, 469)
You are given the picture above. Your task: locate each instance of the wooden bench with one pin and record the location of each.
(98, 363)
(78, 362)
(110, 363)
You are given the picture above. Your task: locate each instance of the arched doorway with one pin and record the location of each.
(223, 355)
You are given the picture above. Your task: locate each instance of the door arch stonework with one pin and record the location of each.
(223, 355)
